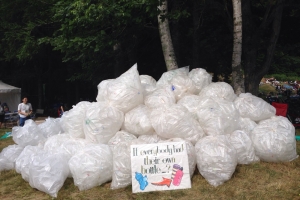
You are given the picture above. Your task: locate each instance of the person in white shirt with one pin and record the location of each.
(24, 110)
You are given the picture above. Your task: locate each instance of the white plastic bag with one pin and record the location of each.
(181, 85)
(51, 127)
(48, 172)
(121, 176)
(102, 90)
(120, 136)
(65, 145)
(101, 122)
(200, 79)
(72, 120)
(166, 77)
(55, 141)
(9, 155)
(253, 107)
(148, 84)
(191, 103)
(176, 122)
(125, 92)
(274, 140)
(92, 166)
(242, 143)
(29, 134)
(219, 90)
(247, 125)
(137, 121)
(159, 98)
(216, 159)
(218, 116)
(24, 160)
(150, 139)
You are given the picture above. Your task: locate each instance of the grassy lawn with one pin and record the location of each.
(266, 88)
(256, 181)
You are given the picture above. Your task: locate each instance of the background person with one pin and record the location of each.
(24, 110)
(60, 111)
(2, 115)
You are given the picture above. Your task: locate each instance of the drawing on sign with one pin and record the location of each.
(165, 181)
(142, 180)
(177, 173)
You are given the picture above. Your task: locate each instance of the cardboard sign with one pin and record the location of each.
(159, 166)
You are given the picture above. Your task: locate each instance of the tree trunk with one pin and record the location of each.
(118, 60)
(40, 91)
(196, 36)
(253, 34)
(165, 37)
(237, 73)
(175, 35)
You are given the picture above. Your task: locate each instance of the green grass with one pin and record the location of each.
(266, 89)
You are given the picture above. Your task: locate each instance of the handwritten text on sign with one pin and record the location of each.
(159, 166)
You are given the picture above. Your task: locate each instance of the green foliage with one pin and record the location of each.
(19, 25)
(284, 77)
(286, 60)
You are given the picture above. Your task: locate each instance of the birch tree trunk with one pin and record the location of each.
(165, 36)
(237, 73)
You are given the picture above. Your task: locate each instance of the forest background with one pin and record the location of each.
(59, 51)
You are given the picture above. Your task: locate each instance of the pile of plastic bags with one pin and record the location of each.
(91, 142)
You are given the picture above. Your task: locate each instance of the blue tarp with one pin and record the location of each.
(287, 86)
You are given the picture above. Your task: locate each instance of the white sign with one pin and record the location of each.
(159, 166)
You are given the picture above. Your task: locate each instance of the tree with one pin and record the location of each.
(165, 36)
(237, 72)
(256, 31)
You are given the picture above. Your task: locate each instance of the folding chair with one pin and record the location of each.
(281, 108)
(12, 120)
(36, 114)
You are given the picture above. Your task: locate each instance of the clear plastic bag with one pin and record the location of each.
(9, 155)
(51, 127)
(137, 121)
(191, 103)
(29, 134)
(242, 143)
(253, 107)
(148, 84)
(125, 92)
(48, 172)
(160, 98)
(274, 140)
(181, 85)
(91, 166)
(72, 120)
(216, 159)
(102, 122)
(120, 136)
(219, 90)
(200, 79)
(176, 122)
(24, 160)
(218, 116)
(166, 77)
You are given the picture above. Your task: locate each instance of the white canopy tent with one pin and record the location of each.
(10, 95)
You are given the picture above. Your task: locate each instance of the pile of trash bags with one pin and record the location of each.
(91, 142)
